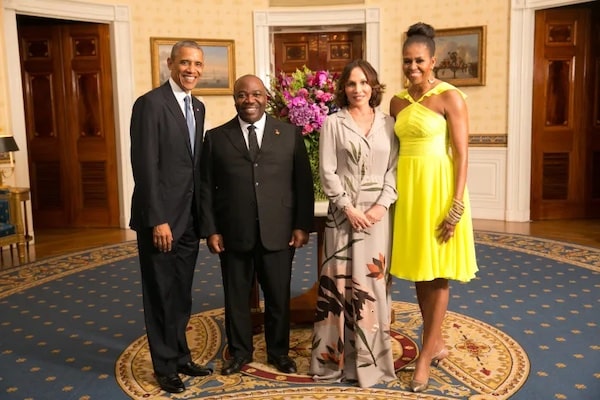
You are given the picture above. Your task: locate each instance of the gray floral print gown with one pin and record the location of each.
(351, 338)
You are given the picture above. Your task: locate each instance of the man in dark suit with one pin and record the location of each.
(257, 207)
(167, 124)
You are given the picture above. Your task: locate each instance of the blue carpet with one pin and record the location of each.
(65, 321)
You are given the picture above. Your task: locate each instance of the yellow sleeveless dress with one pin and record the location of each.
(425, 189)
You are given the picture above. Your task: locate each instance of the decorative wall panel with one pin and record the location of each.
(39, 49)
(85, 47)
(555, 180)
(558, 92)
(88, 101)
(46, 182)
(559, 34)
(486, 182)
(41, 95)
(596, 176)
(93, 184)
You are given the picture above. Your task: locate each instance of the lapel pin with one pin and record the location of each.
(277, 131)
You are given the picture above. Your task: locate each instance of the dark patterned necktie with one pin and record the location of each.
(252, 142)
(189, 118)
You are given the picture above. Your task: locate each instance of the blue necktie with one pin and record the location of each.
(189, 118)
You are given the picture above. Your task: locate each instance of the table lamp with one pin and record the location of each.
(7, 145)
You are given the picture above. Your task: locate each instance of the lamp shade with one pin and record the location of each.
(7, 143)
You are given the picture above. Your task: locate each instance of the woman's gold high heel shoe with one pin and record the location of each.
(435, 361)
(418, 387)
(443, 353)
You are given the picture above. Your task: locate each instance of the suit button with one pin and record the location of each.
(255, 183)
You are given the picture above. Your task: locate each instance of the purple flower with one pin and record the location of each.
(303, 98)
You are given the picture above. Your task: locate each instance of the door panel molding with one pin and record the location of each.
(264, 21)
(317, 50)
(520, 97)
(118, 19)
(77, 56)
(560, 116)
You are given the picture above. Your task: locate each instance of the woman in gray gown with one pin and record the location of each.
(357, 155)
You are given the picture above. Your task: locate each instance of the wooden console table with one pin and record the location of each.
(23, 196)
(17, 198)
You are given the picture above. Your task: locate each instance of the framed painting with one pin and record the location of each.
(460, 55)
(218, 76)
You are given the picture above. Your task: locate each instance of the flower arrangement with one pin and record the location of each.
(304, 98)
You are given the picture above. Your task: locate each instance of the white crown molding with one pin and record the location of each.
(70, 9)
(542, 4)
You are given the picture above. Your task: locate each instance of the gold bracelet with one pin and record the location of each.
(455, 212)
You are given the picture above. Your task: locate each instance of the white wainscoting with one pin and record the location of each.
(486, 182)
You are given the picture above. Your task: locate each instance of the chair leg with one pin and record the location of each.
(21, 252)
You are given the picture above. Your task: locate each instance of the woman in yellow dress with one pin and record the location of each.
(433, 232)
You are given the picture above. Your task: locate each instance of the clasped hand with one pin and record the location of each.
(362, 220)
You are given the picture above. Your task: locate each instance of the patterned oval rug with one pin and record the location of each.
(484, 363)
(72, 326)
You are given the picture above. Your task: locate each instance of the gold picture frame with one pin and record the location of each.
(218, 76)
(460, 55)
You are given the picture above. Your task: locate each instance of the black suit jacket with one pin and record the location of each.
(276, 191)
(166, 173)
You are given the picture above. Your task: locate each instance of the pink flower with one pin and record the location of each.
(298, 102)
(303, 98)
(321, 77)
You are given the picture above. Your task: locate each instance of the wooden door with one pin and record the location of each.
(317, 50)
(562, 121)
(593, 116)
(69, 115)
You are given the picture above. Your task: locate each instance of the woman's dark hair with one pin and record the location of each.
(376, 87)
(421, 33)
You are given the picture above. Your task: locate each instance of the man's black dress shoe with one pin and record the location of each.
(170, 383)
(283, 363)
(193, 369)
(235, 365)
